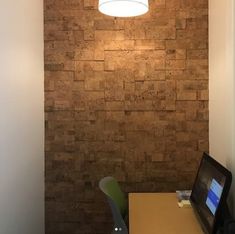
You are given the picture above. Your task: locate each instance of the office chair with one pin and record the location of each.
(116, 199)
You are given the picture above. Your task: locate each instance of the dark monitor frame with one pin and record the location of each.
(223, 200)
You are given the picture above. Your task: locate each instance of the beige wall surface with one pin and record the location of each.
(221, 83)
(21, 117)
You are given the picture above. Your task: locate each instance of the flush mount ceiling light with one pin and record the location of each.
(123, 8)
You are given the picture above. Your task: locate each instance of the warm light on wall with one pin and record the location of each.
(123, 8)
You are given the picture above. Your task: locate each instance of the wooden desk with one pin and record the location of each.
(158, 213)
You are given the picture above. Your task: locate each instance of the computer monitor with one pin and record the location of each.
(209, 193)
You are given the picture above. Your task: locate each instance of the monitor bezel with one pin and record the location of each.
(223, 200)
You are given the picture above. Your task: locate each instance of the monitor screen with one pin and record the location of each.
(209, 191)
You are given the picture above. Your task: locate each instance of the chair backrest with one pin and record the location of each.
(117, 202)
(111, 188)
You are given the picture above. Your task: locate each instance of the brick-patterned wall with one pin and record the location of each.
(123, 97)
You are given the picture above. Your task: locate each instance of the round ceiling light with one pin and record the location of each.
(123, 8)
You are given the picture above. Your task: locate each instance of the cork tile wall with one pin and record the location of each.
(123, 97)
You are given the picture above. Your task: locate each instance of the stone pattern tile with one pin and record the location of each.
(123, 97)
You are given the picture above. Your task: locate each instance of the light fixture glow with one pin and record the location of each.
(123, 8)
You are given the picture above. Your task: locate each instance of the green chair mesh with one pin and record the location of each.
(117, 202)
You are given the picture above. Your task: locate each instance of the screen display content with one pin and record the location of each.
(213, 196)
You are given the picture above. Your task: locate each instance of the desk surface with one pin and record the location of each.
(153, 213)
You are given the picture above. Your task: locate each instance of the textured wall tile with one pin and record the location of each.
(126, 97)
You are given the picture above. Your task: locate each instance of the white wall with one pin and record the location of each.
(222, 83)
(21, 117)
